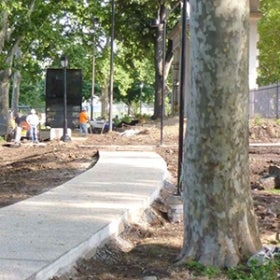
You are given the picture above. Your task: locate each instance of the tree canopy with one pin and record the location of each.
(33, 35)
(269, 42)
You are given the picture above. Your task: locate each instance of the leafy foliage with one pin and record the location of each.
(269, 57)
(32, 94)
(268, 271)
(34, 34)
(201, 270)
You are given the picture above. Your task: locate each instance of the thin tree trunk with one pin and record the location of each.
(220, 225)
(105, 102)
(163, 58)
(16, 91)
(158, 63)
(4, 99)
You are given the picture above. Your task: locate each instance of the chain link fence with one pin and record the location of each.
(264, 102)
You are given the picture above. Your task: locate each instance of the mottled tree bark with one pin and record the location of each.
(4, 99)
(220, 225)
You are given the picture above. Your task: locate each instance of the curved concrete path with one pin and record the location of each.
(49, 232)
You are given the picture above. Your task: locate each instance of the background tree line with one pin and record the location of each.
(34, 34)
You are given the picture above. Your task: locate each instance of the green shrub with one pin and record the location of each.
(258, 121)
(201, 270)
(127, 119)
(268, 271)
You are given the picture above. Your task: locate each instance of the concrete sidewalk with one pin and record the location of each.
(49, 232)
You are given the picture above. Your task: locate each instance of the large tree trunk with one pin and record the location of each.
(220, 225)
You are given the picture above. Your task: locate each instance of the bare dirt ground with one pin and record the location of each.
(150, 251)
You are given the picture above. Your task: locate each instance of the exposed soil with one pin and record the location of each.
(142, 250)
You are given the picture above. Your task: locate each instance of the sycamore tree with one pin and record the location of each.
(220, 228)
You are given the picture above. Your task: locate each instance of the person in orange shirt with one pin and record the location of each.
(83, 121)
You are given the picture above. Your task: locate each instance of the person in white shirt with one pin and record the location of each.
(33, 121)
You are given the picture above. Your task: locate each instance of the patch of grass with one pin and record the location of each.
(258, 121)
(275, 191)
(268, 271)
(201, 270)
(272, 191)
